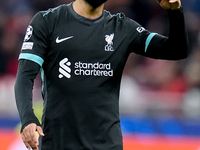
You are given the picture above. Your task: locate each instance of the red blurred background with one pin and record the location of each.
(160, 100)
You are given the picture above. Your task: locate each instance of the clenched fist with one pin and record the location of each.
(170, 4)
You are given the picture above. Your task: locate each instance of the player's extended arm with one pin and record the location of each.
(26, 74)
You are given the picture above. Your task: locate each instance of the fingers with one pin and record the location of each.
(29, 137)
(40, 131)
(173, 1)
(170, 4)
(175, 4)
(30, 141)
(26, 143)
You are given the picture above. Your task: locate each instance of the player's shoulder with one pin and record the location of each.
(51, 12)
(119, 16)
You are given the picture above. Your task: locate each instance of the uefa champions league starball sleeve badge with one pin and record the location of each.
(29, 33)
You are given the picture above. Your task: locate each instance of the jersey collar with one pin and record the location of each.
(85, 20)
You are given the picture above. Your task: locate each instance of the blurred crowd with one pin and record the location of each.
(149, 86)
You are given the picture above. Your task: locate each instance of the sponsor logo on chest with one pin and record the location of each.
(84, 69)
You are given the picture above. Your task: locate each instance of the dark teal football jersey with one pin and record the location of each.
(82, 61)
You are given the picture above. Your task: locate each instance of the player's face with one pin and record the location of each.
(95, 3)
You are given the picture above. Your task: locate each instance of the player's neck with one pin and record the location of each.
(84, 9)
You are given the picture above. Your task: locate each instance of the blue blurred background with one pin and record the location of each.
(160, 100)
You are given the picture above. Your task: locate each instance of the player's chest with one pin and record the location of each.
(79, 41)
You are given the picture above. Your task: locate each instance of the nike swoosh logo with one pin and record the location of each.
(62, 40)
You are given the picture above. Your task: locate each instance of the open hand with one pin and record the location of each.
(170, 4)
(29, 136)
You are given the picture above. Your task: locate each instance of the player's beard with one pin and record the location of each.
(95, 3)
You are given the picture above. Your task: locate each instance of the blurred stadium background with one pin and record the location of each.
(160, 100)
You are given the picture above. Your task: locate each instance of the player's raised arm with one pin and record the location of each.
(171, 47)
